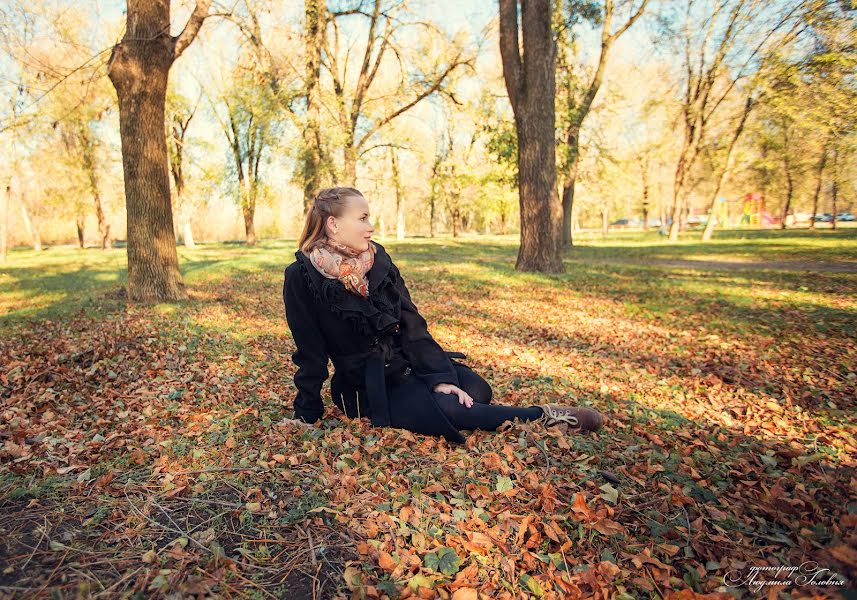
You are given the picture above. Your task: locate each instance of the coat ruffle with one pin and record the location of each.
(363, 315)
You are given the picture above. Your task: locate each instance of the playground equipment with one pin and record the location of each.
(754, 214)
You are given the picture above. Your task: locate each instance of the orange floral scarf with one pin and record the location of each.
(338, 261)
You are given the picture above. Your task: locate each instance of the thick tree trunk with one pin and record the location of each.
(530, 78)
(138, 69)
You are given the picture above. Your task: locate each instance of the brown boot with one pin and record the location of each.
(580, 418)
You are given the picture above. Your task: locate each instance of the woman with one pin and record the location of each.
(345, 300)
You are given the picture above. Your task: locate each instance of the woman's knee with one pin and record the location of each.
(474, 384)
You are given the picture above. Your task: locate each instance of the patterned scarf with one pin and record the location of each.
(338, 261)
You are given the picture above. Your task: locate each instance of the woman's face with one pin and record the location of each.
(353, 227)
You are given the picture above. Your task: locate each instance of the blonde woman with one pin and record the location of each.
(346, 301)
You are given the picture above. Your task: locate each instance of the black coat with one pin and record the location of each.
(375, 344)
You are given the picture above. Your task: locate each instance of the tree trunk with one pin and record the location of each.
(818, 181)
(400, 201)
(572, 141)
(29, 225)
(187, 234)
(350, 173)
(531, 85)
(709, 226)
(138, 68)
(315, 12)
(568, 206)
(789, 192)
(605, 222)
(79, 223)
(4, 222)
(89, 164)
(184, 217)
(835, 187)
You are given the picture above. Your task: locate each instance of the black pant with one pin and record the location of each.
(483, 414)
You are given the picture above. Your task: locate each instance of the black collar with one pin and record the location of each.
(364, 316)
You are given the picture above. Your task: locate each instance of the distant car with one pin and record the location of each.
(824, 218)
(802, 217)
(621, 222)
(846, 216)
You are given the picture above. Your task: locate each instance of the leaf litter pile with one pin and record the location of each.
(149, 451)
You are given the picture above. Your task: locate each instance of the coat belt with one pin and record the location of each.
(381, 361)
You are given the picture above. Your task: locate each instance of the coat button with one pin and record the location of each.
(386, 364)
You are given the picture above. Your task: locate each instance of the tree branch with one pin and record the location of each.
(191, 28)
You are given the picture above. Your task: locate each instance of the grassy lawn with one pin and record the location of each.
(149, 450)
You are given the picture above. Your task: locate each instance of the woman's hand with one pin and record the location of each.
(447, 388)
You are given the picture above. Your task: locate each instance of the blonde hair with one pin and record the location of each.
(328, 202)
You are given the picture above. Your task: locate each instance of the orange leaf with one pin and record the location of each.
(386, 562)
(579, 505)
(230, 442)
(608, 527)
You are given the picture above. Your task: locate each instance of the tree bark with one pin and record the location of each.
(138, 69)
(530, 78)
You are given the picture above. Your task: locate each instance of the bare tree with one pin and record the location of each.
(530, 77)
(735, 38)
(139, 66)
(577, 105)
(356, 125)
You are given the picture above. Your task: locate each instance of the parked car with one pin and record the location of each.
(621, 222)
(846, 216)
(824, 218)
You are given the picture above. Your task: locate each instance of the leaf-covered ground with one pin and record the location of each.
(148, 451)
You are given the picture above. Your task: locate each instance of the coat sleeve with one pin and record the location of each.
(429, 361)
(311, 355)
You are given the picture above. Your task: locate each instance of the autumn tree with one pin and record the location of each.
(576, 96)
(530, 76)
(723, 44)
(139, 66)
